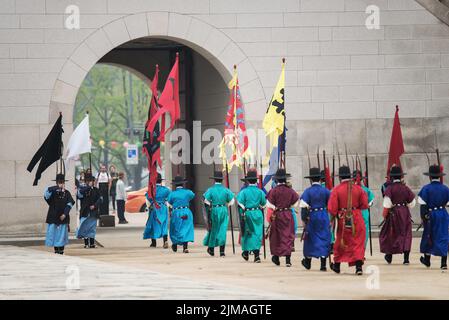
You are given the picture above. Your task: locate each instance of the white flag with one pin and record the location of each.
(79, 142)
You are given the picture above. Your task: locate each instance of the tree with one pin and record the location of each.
(118, 103)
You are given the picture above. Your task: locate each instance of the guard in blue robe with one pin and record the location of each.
(216, 200)
(156, 226)
(60, 202)
(181, 218)
(91, 200)
(317, 237)
(434, 198)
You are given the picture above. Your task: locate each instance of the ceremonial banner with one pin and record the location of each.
(396, 144)
(79, 142)
(235, 134)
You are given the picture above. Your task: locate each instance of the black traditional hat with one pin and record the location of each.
(218, 175)
(396, 172)
(314, 173)
(434, 171)
(251, 175)
(281, 174)
(60, 177)
(159, 178)
(344, 172)
(89, 177)
(178, 180)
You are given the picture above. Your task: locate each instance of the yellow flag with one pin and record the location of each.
(274, 121)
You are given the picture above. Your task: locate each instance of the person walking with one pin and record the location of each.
(121, 198)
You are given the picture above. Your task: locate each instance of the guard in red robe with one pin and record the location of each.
(396, 234)
(282, 225)
(346, 202)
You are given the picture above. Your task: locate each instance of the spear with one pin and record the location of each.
(230, 210)
(263, 213)
(318, 157)
(346, 153)
(369, 209)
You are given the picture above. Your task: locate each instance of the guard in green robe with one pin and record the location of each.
(251, 203)
(216, 200)
(370, 194)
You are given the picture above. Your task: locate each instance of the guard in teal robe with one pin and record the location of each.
(181, 218)
(251, 203)
(365, 212)
(216, 200)
(156, 226)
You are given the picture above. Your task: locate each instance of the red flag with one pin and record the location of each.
(168, 101)
(151, 143)
(327, 173)
(396, 144)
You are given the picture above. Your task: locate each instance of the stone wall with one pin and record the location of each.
(341, 80)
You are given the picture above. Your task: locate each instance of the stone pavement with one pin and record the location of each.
(32, 274)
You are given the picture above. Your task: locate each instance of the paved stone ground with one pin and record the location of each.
(127, 268)
(32, 274)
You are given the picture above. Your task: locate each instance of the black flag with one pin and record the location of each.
(49, 152)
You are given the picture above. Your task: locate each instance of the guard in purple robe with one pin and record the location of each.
(434, 198)
(396, 234)
(281, 231)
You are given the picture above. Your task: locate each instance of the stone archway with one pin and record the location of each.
(205, 39)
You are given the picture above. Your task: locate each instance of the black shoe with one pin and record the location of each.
(56, 250)
(406, 258)
(210, 251)
(425, 260)
(336, 267)
(174, 247)
(444, 263)
(307, 263)
(185, 249)
(358, 267)
(275, 260)
(256, 256)
(91, 243)
(153, 243)
(86, 243)
(245, 255)
(323, 264)
(222, 251)
(288, 262)
(61, 250)
(388, 258)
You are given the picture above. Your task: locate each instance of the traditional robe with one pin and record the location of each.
(59, 202)
(181, 222)
(282, 234)
(89, 196)
(251, 201)
(217, 197)
(365, 212)
(435, 238)
(317, 238)
(348, 247)
(396, 234)
(156, 226)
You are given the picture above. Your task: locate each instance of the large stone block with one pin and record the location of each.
(30, 6)
(409, 109)
(400, 92)
(263, 49)
(412, 61)
(23, 115)
(400, 46)
(32, 81)
(38, 65)
(64, 93)
(310, 19)
(398, 32)
(357, 33)
(86, 6)
(249, 34)
(295, 34)
(157, 23)
(137, 25)
(356, 93)
(26, 98)
(23, 215)
(178, 25)
(314, 133)
(84, 57)
(49, 50)
(353, 134)
(305, 111)
(322, 5)
(437, 108)
(65, 35)
(325, 94)
(27, 137)
(7, 171)
(41, 21)
(72, 74)
(303, 48)
(349, 47)
(116, 32)
(259, 20)
(21, 36)
(326, 62)
(361, 5)
(347, 77)
(254, 6)
(198, 32)
(402, 76)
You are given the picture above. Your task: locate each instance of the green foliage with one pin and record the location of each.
(105, 93)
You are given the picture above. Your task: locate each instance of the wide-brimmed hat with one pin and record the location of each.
(314, 173)
(178, 180)
(159, 178)
(89, 177)
(434, 171)
(344, 172)
(281, 174)
(218, 175)
(60, 177)
(251, 175)
(396, 171)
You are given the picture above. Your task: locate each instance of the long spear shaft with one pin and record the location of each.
(263, 213)
(230, 210)
(369, 209)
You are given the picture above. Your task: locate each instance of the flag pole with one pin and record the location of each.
(230, 210)
(262, 209)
